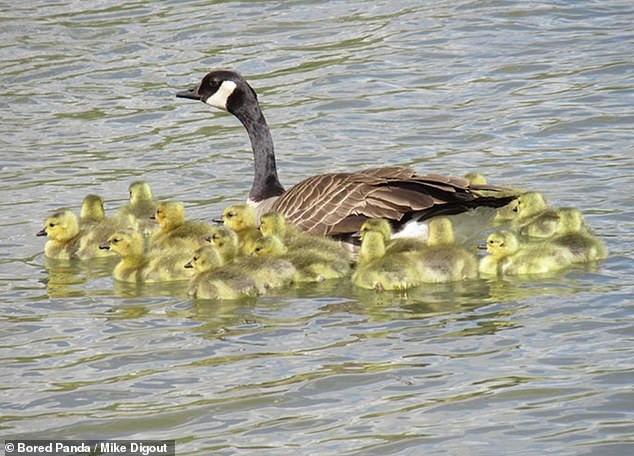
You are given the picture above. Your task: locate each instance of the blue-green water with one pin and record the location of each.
(532, 94)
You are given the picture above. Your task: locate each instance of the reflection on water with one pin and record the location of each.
(534, 95)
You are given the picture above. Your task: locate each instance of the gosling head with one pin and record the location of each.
(125, 243)
(273, 224)
(269, 246)
(381, 226)
(440, 232)
(61, 226)
(570, 220)
(529, 204)
(92, 208)
(239, 217)
(140, 191)
(205, 259)
(372, 247)
(502, 243)
(222, 89)
(169, 215)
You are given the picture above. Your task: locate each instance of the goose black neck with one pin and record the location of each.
(265, 181)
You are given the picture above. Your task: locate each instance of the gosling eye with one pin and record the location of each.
(215, 236)
(230, 214)
(491, 241)
(195, 258)
(258, 249)
(51, 224)
(115, 241)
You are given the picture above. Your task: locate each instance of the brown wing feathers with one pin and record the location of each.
(338, 203)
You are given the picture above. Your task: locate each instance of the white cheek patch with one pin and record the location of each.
(220, 97)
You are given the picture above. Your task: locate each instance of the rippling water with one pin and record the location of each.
(533, 94)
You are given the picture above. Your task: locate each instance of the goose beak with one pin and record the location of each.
(42, 232)
(189, 265)
(105, 246)
(191, 94)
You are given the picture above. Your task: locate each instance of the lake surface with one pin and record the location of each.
(537, 95)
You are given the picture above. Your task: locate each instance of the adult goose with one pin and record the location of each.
(337, 204)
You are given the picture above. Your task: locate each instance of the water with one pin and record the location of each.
(533, 94)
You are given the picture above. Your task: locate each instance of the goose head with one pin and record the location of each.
(92, 208)
(222, 89)
(61, 226)
(501, 244)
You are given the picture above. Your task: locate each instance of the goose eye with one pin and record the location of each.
(195, 258)
(491, 241)
(230, 214)
(52, 225)
(115, 241)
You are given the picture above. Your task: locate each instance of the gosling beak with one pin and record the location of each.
(105, 246)
(218, 220)
(191, 94)
(189, 265)
(482, 246)
(207, 239)
(42, 232)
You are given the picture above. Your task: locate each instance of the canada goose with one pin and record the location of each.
(335, 204)
(139, 266)
(403, 244)
(175, 230)
(214, 280)
(140, 208)
(443, 260)
(274, 224)
(381, 271)
(242, 220)
(507, 257)
(310, 265)
(573, 236)
(66, 240)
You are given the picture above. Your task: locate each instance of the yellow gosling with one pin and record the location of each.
(139, 266)
(174, 230)
(475, 178)
(241, 218)
(215, 280)
(66, 241)
(443, 260)
(575, 238)
(507, 257)
(377, 270)
(226, 241)
(140, 208)
(310, 265)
